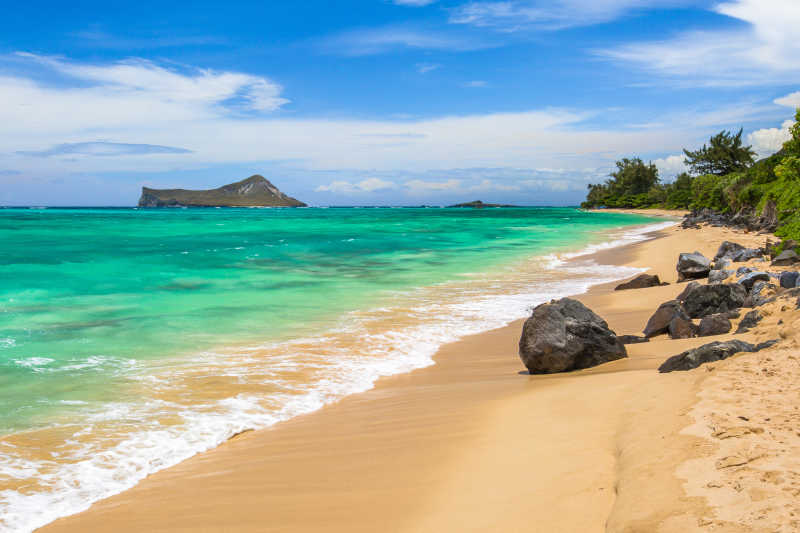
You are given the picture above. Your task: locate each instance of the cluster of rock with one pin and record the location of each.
(745, 219)
(565, 335)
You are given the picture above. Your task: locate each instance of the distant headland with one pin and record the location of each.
(255, 191)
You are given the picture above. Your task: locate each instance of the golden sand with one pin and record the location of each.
(476, 444)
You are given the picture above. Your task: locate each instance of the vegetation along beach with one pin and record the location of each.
(400, 265)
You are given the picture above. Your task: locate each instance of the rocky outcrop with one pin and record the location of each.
(255, 191)
(745, 219)
(786, 258)
(692, 266)
(642, 281)
(705, 300)
(716, 324)
(565, 335)
(715, 351)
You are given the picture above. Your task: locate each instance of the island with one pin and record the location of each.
(477, 204)
(255, 191)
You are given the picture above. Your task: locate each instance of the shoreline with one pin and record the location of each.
(314, 471)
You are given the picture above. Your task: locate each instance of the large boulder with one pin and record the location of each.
(642, 281)
(727, 250)
(717, 324)
(715, 351)
(789, 279)
(566, 335)
(748, 280)
(718, 276)
(692, 266)
(660, 322)
(786, 258)
(721, 264)
(692, 285)
(705, 300)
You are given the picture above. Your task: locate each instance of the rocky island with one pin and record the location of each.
(255, 191)
(477, 204)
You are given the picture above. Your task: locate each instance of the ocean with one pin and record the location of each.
(132, 339)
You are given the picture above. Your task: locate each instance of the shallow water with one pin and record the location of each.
(133, 339)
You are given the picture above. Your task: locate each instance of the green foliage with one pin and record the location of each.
(679, 193)
(633, 184)
(723, 154)
(728, 182)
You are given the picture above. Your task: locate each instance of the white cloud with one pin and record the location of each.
(517, 15)
(490, 185)
(421, 187)
(424, 68)
(476, 84)
(670, 166)
(372, 41)
(790, 100)
(766, 52)
(767, 141)
(184, 121)
(367, 185)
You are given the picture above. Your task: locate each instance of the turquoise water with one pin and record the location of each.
(102, 309)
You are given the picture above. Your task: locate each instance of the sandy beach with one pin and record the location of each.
(475, 443)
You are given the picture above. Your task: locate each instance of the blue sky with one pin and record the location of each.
(380, 101)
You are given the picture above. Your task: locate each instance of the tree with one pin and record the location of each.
(632, 177)
(724, 154)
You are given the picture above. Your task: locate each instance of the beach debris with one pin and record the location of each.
(708, 353)
(749, 321)
(715, 324)
(786, 258)
(705, 300)
(692, 266)
(642, 281)
(566, 335)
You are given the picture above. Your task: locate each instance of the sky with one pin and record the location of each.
(375, 102)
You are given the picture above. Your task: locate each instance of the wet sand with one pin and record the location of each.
(474, 443)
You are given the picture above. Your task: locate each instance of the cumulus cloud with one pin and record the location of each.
(765, 52)
(767, 141)
(670, 166)
(790, 100)
(346, 187)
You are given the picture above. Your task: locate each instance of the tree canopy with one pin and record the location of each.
(724, 154)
